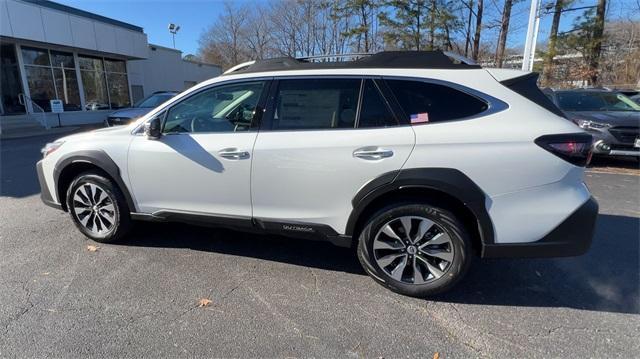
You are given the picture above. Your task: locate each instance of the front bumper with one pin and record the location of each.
(45, 194)
(572, 237)
(615, 142)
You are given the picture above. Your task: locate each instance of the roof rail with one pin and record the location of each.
(459, 58)
(385, 59)
(355, 56)
(239, 67)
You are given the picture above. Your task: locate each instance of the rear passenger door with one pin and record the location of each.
(320, 142)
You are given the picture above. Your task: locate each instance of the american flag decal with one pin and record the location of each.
(420, 118)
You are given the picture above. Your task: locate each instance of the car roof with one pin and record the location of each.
(385, 59)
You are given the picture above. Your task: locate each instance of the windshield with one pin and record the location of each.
(154, 100)
(595, 101)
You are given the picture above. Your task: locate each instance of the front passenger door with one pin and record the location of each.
(201, 164)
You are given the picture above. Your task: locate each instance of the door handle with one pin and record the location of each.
(372, 153)
(233, 154)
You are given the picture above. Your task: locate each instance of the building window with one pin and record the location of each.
(51, 75)
(105, 83)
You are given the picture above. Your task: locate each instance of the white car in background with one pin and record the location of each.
(420, 159)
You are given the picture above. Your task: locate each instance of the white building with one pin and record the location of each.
(92, 63)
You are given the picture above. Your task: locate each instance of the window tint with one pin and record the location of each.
(226, 108)
(374, 112)
(595, 101)
(33, 56)
(154, 100)
(62, 59)
(316, 104)
(428, 102)
(51, 75)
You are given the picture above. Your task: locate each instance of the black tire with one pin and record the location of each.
(119, 211)
(459, 246)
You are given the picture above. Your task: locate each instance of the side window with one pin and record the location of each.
(225, 108)
(316, 104)
(427, 102)
(374, 111)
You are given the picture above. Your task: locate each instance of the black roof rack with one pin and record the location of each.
(385, 59)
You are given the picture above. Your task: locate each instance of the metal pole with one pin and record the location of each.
(527, 57)
(173, 35)
(535, 38)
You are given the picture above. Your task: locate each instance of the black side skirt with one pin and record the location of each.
(304, 230)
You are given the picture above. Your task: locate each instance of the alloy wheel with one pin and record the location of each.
(413, 250)
(94, 208)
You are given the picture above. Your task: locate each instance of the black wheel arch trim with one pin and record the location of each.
(96, 158)
(447, 180)
(45, 194)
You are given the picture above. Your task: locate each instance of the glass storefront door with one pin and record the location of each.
(10, 82)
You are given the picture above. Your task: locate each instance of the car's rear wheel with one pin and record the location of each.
(98, 207)
(415, 249)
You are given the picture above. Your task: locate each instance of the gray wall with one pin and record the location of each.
(28, 21)
(165, 70)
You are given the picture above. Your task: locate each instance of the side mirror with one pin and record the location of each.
(152, 129)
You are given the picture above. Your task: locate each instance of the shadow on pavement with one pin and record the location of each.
(308, 253)
(605, 279)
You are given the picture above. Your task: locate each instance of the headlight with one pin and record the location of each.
(590, 125)
(50, 147)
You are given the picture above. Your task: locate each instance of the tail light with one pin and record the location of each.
(575, 148)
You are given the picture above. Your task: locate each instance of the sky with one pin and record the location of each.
(194, 16)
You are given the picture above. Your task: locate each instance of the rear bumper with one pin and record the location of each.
(45, 195)
(572, 237)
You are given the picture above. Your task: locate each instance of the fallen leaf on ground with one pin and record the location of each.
(91, 248)
(436, 355)
(204, 302)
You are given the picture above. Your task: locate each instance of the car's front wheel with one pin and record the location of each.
(415, 249)
(98, 207)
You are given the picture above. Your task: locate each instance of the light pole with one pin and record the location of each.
(173, 29)
(532, 30)
(532, 35)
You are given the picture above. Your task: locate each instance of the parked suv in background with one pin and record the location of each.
(126, 115)
(418, 159)
(610, 117)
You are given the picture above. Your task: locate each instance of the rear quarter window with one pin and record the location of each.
(424, 102)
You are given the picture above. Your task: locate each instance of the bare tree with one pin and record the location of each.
(547, 71)
(504, 31)
(258, 35)
(598, 32)
(476, 37)
(223, 43)
(468, 28)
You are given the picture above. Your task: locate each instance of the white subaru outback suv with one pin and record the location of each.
(419, 159)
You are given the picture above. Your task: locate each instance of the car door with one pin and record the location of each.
(321, 141)
(202, 162)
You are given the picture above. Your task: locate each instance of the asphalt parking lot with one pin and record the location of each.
(278, 297)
